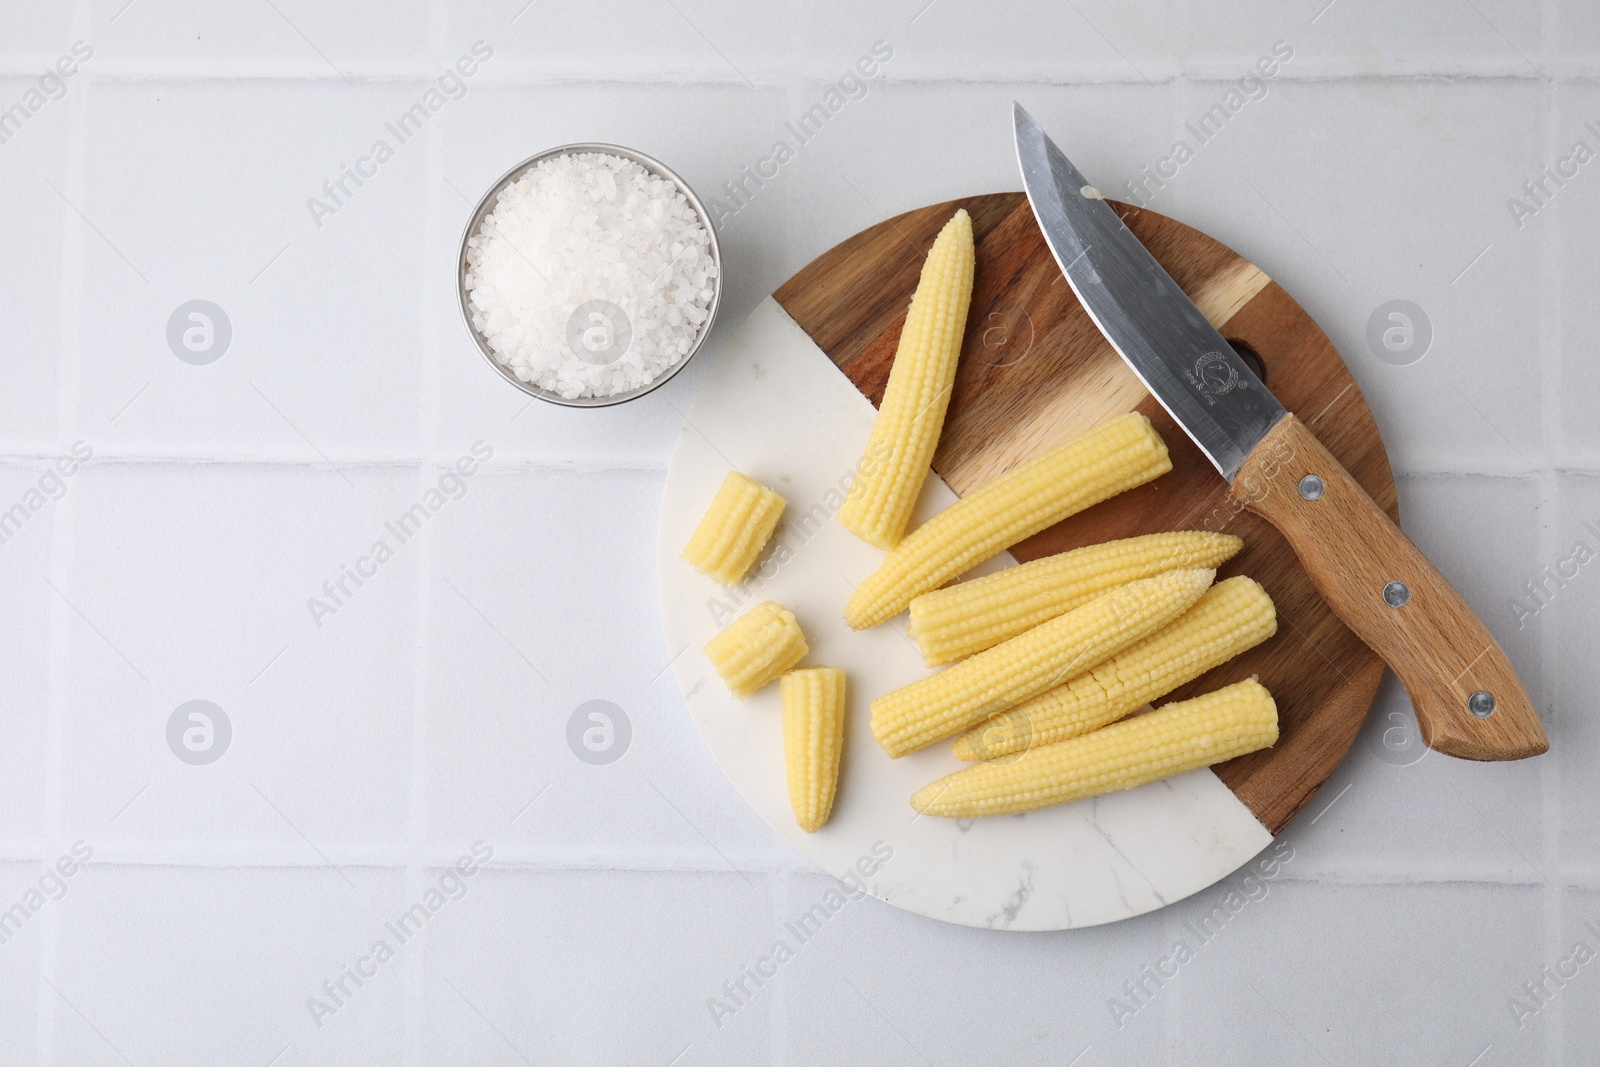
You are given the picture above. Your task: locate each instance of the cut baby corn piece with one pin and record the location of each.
(757, 647)
(1179, 737)
(906, 431)
(813, 737)
(1232, 616)
(733, 532)
(1110, 458)
(921, 713)
(959, 620)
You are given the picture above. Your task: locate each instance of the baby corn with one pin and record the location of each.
(1231, 617)
(733, 532)
(923, 712)
(1179, 737)
(906, 431)
(959, 620)
(757, 647)
(813, 736)
(1116, 456)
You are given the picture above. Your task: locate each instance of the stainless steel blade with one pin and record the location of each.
(1181, 358)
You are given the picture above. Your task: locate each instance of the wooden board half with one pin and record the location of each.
(1036, 371)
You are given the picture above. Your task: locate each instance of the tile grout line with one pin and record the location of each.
(417, 809)
(434, 193)
(1551, 897)
(62, 542)
(713, 76)
(415, 993)
(1553, 438)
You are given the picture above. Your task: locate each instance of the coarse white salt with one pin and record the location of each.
(591, 276)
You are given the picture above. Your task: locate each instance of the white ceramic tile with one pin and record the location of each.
(1570, 611)
(25, 560)
(1461, 821)
(1312, 974)
(1566, 1011)
(19, 964)
(1505, 805)
(507, 675)
(1369, 38)
(838, 35)
(35, 157)
(614, 40)
(161, 965)
(1352, 194)
(193, 583)
(308, 39)
(937, 40)
(733, 127)
(898, 988)
(197, 188)
(1576, 34)
(512, 972)
(1484, 534)
(36, 35)
(1565, 225)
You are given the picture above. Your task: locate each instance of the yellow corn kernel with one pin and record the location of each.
(906, 431)
(813, 737)
(942, 704)
(1110, 458)
(737, 527)
(757, 647)
(1179, 737)
(959, 620)
(1230, 618)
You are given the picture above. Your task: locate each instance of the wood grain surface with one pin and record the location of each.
(1036, 371)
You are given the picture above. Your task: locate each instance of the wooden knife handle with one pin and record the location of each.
(1386, 591)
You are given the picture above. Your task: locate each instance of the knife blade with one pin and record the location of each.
(1468, 699)
(1176, 352)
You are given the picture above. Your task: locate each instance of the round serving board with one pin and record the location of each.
(790, 402)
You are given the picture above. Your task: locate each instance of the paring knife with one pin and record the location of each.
(1468, 699)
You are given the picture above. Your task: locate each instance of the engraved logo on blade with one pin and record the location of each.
(1213, 376)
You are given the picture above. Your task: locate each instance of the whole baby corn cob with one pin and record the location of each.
(735, 529)
(757, 647)
(1110, 458)
(1179, 737)
(921, 713)
(1232, 616)
(959, 620)
(813, 737)
(906, 431)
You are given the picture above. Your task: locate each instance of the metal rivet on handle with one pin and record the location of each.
(1481, 704)
(1311, 487)
(1396, 594)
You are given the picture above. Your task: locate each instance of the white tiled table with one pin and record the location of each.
(426, 713)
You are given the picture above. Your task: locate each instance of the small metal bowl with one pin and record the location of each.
(487, 205)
